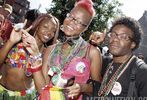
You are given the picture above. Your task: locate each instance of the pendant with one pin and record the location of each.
(117, 89)
(80, 67)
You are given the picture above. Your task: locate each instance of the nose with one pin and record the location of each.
(50, 34)
(114, 38)
(73, 22)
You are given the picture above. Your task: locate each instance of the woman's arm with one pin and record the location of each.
(45, 67)
(38, 76)
(15, 37)
(96, 63)
(95, 69)
(37, 63)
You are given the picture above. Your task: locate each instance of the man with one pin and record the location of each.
(118, 80)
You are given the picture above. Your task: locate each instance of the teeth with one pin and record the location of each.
(69, 27)
(46, 37)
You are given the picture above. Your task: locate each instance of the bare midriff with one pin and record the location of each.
(14, 78)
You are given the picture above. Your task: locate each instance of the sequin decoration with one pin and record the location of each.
(18, 57)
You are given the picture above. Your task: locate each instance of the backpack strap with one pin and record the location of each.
(132, 91)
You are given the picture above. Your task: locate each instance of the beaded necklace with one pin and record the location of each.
(57, 52)
(107, 86)
(58, 61)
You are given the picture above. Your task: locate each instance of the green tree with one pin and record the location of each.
(105, 10)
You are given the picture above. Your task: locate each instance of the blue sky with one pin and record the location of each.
(132, 8)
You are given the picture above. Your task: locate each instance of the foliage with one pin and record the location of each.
(105, 10)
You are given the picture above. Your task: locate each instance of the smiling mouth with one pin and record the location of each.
(46, 37)
(114, 46)
(70, 28)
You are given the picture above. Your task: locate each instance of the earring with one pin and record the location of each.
(62, 28)
(82, 33)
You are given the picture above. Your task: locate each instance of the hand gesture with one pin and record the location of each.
(97, 38)
(16, 33)
(30, 43)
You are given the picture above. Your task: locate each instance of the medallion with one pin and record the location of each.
(117, 89)
(80, 67)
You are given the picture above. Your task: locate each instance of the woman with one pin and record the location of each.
(69, 64)
(5, 23)
(16, 60)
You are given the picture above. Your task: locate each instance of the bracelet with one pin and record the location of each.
(35, 58)
(33, 70)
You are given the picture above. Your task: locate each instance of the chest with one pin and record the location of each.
(121, 86)
(75, 64)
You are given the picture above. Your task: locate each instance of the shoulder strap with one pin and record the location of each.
(87, 51)
(132, 91)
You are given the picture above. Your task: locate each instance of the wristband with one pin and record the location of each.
(33, 70)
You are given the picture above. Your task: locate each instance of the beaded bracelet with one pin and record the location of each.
(34, 58)
(37, 56)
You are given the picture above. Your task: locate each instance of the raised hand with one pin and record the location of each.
(16, 33)
(97, 38)
(30, 43)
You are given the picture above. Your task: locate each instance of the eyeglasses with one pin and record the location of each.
(76, 21)
(122, 36)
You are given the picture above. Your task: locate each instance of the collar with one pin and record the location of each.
(71, 40)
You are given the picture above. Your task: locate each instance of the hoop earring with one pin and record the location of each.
(62, 28)
(81, 34)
